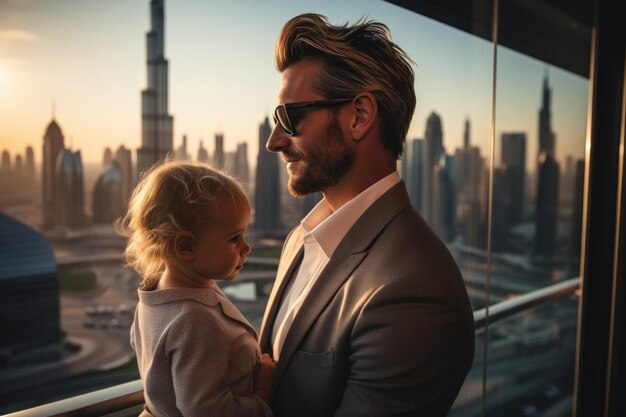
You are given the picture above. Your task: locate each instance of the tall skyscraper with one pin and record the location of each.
(568, 180)
(30, 166)
(462, 164)
(547, 205)
(514, 160)
(218, 156)
(181, 152)
(107, 158)
(18, 171)
(548, 172)
(503, 191)
(63, 182)
(203, 154)
(123, 157)
(157, 126)
(69, 209)
(432, 153)
(412, 171)
(108, 201)
(469, 168)
(5, 172)
(241, 169)
(443, 198)
(52, 146)
(267, 191)
(546, 136)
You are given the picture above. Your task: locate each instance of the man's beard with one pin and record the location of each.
(325, 166)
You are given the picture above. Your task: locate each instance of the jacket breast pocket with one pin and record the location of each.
(316, 360)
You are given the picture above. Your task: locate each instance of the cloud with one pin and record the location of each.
(17, 35)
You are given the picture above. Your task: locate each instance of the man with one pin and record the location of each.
(369, 315)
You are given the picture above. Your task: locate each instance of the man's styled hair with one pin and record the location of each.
(356, 58)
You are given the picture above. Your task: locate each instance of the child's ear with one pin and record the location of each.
(184, 244)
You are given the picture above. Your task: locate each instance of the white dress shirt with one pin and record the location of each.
(325, 230)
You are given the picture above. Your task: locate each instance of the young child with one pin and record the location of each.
(197, 354)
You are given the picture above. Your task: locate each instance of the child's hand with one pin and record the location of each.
(264, 378)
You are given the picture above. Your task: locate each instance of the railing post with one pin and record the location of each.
(593, 367)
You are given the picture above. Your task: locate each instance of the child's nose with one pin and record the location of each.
(246, 248)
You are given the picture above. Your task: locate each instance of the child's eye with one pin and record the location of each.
(234, 239)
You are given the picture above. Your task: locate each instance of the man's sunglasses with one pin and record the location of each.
(282, 115)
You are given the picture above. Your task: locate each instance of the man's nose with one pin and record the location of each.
(278, 140)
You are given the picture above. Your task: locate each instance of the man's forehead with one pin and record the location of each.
(296, 82)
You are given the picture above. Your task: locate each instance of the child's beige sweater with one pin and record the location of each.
(196, 353)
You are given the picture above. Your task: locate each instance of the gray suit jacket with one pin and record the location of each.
(387, 329)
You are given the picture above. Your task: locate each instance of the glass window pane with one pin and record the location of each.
(536, 217)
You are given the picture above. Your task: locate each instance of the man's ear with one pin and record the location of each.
(184, 245)
(366, 111)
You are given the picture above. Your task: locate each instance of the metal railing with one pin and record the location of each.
(127, 399)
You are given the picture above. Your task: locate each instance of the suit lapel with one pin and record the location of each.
(346, 258)
(289, 261)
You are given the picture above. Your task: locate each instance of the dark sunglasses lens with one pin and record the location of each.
(283, 119)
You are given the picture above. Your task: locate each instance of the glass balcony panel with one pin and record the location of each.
(536, 217)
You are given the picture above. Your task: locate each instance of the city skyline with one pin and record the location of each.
(65, 52)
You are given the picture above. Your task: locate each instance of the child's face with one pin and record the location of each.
(221, 250)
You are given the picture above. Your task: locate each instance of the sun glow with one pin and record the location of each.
(4, 77)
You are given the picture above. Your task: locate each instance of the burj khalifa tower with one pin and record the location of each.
(157, 126)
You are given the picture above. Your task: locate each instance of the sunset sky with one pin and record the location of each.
(88, 57)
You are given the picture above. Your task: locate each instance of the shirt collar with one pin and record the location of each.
(328, 228)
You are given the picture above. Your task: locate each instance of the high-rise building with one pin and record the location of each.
(412, 171)
(462, 164)
(443, 198)
(547, 140)
(433, 148)
(203, 154)
(514, 160)
(267, 190)
(218, 156)
(548, 173)
(123, 157)
(107, 158)
(30, 167)
(17, 177)
(108, 201)
(470, 190)
(69, 209)
(241, 169)
(157, 126)
(568, 181)
(503, 191)
(5, 172)
(181, 152)
(18, 171)
(547, 205)
(53, 146)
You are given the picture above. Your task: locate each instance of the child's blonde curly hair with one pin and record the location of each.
(171, 198)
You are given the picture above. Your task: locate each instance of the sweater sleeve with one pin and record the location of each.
(198, 348)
